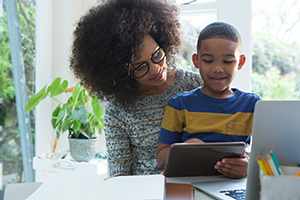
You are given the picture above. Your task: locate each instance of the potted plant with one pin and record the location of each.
(80, 115)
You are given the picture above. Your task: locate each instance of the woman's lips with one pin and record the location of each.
(158, 76)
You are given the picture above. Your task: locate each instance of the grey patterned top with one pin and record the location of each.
(132, 132)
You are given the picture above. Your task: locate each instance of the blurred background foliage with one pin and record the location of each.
(275, 66)
(275, 48)
(10, 149)
(275, 63)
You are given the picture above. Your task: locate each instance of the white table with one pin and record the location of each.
(46, 167)
(20, 191)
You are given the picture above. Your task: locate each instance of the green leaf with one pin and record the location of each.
(58, 130)
(57, 88)
(60, 116)
(80, 113)
(57, 134)
(35, 100)
(66, 124)
(76, 125)
(54, 116)
(48, 89)
(97, 107)
(84, 97)
(84, 133)
(69, 105)
(75, 94)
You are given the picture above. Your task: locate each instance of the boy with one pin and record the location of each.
(215, 112)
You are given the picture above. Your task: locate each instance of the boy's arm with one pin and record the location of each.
(193, 140)
(161, 154)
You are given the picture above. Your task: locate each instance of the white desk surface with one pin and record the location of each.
(20, 191)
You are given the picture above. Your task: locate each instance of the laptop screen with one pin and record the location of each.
(276, 126)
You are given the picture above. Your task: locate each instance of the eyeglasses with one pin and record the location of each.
(143, 69)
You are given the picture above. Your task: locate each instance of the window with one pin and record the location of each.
(276, 49)
(193, 17)
(197, 14)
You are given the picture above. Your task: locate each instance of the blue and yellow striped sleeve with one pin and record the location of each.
(172, 125)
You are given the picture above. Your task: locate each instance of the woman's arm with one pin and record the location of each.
(118, 153)
(117, 145)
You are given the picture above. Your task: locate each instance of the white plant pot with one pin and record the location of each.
(82, 150)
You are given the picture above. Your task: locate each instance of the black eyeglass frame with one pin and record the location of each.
(132, 73)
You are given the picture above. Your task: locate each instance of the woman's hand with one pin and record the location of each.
(234, 167)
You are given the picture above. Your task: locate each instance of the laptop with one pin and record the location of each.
(276, 126)
(223, 187)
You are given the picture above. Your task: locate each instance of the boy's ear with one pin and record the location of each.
(241, 61)
(195, 60)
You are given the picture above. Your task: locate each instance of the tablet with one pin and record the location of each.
(198, 159)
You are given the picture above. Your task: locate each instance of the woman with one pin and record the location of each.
(123, 51)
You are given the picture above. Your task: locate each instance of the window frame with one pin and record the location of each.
(237, 13)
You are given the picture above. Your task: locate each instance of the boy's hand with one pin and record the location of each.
(234, 167)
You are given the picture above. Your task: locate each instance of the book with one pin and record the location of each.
(179, 191)
(87, 185)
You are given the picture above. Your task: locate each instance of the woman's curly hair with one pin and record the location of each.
(108, 39)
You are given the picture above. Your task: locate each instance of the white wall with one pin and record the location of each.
(238, 13)
(55, 21)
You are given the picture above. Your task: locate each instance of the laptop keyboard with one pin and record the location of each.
(235, 194)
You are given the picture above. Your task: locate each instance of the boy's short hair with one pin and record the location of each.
(220, 30)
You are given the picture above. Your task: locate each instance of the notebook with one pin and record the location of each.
(276, 126)
(88, 185)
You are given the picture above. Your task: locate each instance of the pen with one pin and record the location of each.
(272, 165)
(267, 166)
(261, 164)
(276, 163)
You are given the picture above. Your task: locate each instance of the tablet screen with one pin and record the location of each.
(198, 159)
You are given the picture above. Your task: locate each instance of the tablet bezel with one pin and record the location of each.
(198, 159)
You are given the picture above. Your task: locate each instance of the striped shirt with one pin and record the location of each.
(132, 132)
(196, 115)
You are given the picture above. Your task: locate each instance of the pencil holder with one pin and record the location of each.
(285, 187)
